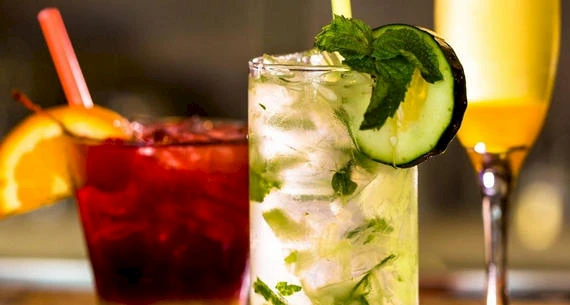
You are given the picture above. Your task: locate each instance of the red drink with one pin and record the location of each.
(166, 218)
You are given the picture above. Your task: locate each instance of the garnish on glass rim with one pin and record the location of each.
(401, 60)
(390, 58)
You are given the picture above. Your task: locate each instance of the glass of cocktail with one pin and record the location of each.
(510, 52)
(165, 215)
(163, 203)
(309, 238)
(333, 202)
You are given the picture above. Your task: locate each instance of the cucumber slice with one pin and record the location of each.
(426, 121)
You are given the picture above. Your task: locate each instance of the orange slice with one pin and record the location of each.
(34, 156)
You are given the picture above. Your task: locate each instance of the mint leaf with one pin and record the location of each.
(342, 185)
(392, 81)
(359, 294)
(291, 258)
(367, 232)
(361, 63)
(409, 44)
(361, 291)
(341, 182)
(390, 56)
(346, 36)
(262, 289)
(260, 186)
(287, 289)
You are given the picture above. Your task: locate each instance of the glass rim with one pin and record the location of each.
(147, 120)
(258, 64)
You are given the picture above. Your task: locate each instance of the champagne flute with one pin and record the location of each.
(509, 50)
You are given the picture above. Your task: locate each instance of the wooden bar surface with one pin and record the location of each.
(24, 296)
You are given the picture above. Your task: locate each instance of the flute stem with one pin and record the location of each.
(495, 180)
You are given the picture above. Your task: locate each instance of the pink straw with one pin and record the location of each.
(64, 58)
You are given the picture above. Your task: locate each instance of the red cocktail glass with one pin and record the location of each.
(165, 216)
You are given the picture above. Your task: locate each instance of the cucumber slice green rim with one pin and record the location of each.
(428, 117)
(436, 124)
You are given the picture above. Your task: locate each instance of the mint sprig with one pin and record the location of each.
(389, 56)
(260, 186)
(352, 38)
(283, 288)
(367, 232)
(341, 182)
(263, 289)
(286, 289)
(360, 292)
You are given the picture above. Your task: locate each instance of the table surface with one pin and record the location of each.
(26, 296)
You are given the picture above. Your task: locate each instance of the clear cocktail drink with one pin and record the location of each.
(328, 224)
(165, 217)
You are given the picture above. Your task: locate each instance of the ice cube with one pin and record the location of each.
(272, 96)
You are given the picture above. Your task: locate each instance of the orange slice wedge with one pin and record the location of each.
(34, 162)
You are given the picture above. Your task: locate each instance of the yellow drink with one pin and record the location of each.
(509, 50)
(502, 126)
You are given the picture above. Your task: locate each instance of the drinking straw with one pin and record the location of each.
(64, 58)
(341, 8)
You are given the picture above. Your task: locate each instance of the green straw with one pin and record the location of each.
(341, 8)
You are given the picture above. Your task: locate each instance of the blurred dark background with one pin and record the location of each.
(173, 57)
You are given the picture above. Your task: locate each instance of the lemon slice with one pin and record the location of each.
(34, 156)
